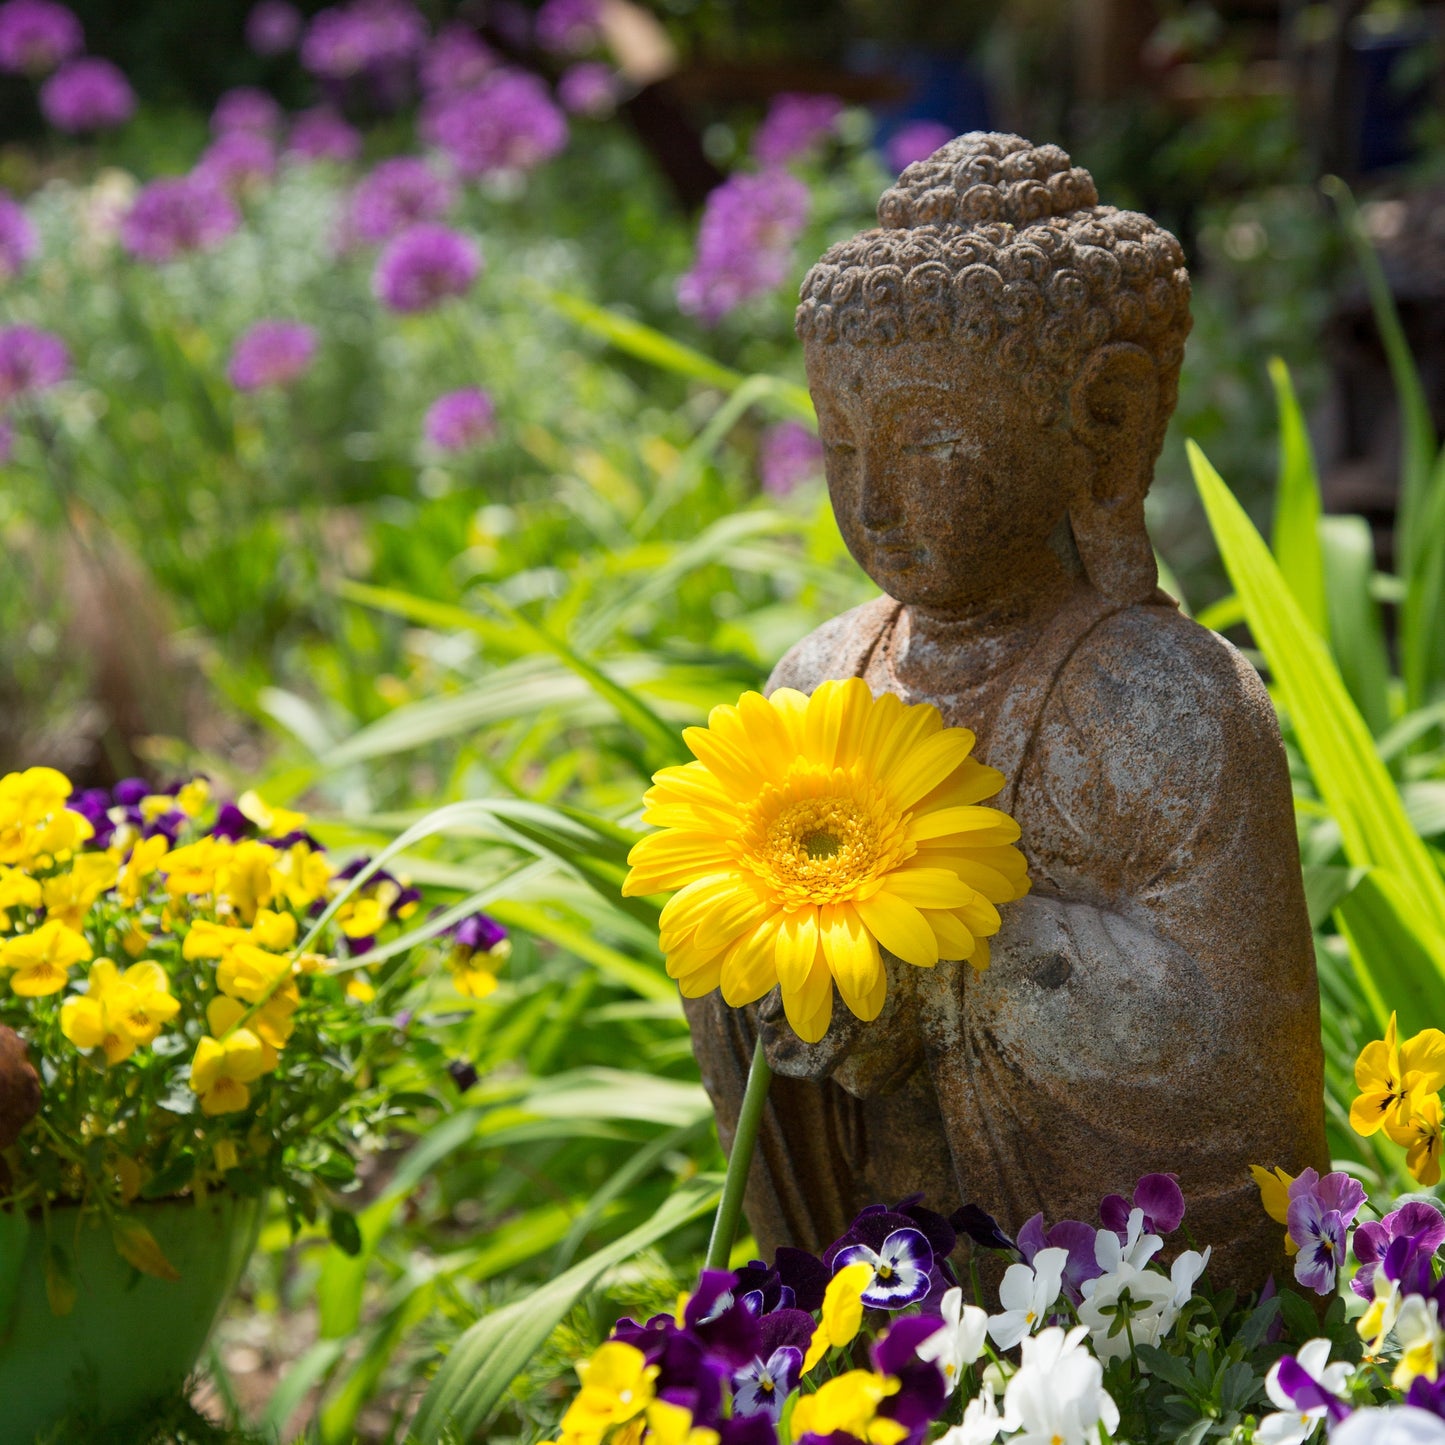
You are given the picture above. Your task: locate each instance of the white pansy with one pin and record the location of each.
(959, 1342)
(1144, 1296)
(1422, 1341)
(1058, 1396)
(1185, 1273)
(1026, 1295)
(1292, 1425)
(1392, 1425)
(1136, 1251)
(981, 1422)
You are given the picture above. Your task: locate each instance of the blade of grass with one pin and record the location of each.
(1297, 508)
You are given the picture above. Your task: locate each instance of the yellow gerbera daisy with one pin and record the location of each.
(810, 831)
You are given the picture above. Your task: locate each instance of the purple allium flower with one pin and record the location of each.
(31, 361)
(87, 94)
(273, 27)
(745, 243)
(790, 454)
(762, 1386)
(271, 353)
(320, 134)
(399, 193)
(460, 420)
(246, 108)
(1419, 1223)
(176, 215)
(568, 27)
(1158, 1195)
(36, 35)
(508, 123)
(18, 241)
(366, 35)
(900, 1269)
(456, 60)
(238, 161)
(795, 124)
(916, 141)
(588, 88)
(424, 266)
(7, 448)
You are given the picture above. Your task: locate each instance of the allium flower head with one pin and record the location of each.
(31, 361)
(247, 108)
(366, 35)
(271, 353)
(789, 455)
(18, 241)
(568, 27)
(588, 88)
(745, 243)
(238, 161)
(36, 35)
(460, 420)
(508, 123)
(273, 27)
(176, 215)
(320, 134)
(397, 194)
(793, 126)
(813, 832)
(916, 141)
(424, 266)
(456, 60)
(87, 94)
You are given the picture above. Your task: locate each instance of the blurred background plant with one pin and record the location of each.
(520, 480)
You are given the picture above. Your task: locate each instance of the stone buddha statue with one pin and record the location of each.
(993, 369)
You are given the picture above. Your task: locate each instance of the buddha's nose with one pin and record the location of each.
(878, 509)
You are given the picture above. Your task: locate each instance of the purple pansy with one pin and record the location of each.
(31, 361)
(86, 95)
(803, 1273)
(36, 35)
(981, 1227)
(716, 1317)
(1158, 1195)
(1071, 1235)
(900, 1268)
(177, 215)
(271, 353)
(1320, 1234)
(508, 122)
(761, 1386)
(460, 420)
(320, 134)
(18, 241)
(916, 141)
(246, 108)
(788, 455)
(231, 823)
(1418, 1223)
(238, 161)
(399, 193)
(1306, 1392)
(588, 88)
(568, 27)
(477, 933)
(424, 266)
(1427, 1394)
(273, 27)
(456, 60)
(922, 1390)
(795, 124)
(745, 242)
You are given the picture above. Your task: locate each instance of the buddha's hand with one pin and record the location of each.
(863, 1058)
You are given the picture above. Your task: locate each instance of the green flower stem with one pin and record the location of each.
(730, 1206)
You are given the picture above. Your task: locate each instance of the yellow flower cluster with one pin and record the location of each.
(1400, 1087)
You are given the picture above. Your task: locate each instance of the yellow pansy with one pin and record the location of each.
(1388, 1074)
(17, 890)
(28, 801)
(842, 1312)
(222, 1070)
(472, 977)
(360, 989)
(224, 1015)
(1421, 1137)
(1274, 1196)
(225, 1155)
(40, 962)
(69, 896)
(206, 939)
(274, 931)
(249, 972)
(669, 1424)
(119, 1012)
(850, 1403)
(136, 940)
(192, 870)
(246, 880)
(1417, 1327)
(192, 798)
(274, 822)
(617, 1384)
(144, 859)
(302, 875)
(362, 917)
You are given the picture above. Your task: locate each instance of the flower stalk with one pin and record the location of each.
(730, 1206)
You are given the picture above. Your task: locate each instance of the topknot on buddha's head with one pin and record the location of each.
(999, 244)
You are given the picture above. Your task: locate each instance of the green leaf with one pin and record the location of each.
(1166, 1366)
(1396, 957)
(1352, 780)
(172, 1178)
(1299, 1316)
(1297, 505)
(1254, 1329)
(60, 1288)
(1325, 887)
(345, 1232)
(1356, 632)
(488, 1356)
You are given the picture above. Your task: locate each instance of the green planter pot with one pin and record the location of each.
(131, 1339)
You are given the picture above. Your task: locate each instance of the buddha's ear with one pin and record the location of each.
(1113, 412)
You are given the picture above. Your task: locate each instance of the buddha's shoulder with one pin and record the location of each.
(839, 648)
(1152, 684)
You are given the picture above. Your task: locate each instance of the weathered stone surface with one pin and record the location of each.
(993, 372)
(19, 1087)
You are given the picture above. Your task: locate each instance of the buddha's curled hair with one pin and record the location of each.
(1001, 244)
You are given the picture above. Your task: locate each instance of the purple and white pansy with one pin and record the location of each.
(761, 1387)
(901, 1267)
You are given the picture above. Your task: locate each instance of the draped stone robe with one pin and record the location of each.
(1151, 1005)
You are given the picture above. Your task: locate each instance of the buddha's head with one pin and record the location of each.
(993, 369)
